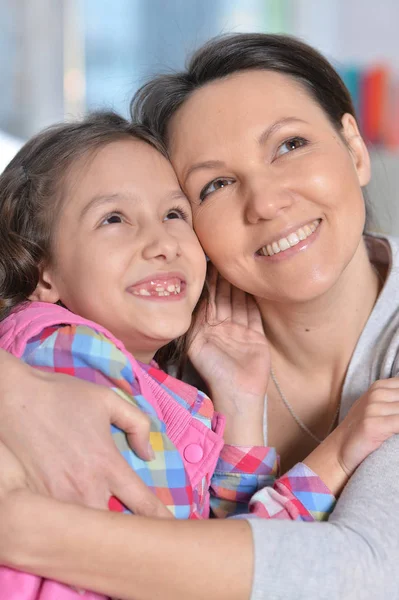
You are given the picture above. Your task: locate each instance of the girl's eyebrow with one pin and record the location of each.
(102, 200)
(105, 199)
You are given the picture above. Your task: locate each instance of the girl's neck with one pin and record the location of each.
(322, 333)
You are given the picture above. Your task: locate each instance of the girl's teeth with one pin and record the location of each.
(159, 290)
(291, 240)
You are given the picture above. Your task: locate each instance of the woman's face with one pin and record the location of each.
(275, 190)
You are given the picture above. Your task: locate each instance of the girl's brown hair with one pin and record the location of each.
(31, 187)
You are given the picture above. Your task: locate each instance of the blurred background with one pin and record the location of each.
(60, 58)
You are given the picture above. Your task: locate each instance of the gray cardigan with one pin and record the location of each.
(356, 554)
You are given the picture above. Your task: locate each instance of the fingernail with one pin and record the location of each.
(151, 452)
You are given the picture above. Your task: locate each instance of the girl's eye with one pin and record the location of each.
(177, 213)
(213, 186)
(113, 219)
(292, 144)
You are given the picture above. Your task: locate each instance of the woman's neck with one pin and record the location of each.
(323, 333)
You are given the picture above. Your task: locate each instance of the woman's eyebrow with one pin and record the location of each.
(207, 164)
(274, 127)
(262, 139)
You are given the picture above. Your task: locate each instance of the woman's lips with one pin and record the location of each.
(291, 240)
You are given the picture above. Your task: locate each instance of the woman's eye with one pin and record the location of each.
(112, 219)
(290, 145)
(214, 186)
(177, 213)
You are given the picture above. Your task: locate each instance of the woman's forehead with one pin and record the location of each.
(247, 102)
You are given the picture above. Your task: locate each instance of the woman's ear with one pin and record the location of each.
(357, 147)
(46, 289)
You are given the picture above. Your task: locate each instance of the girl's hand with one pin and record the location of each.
(230, 351)
(372, 419)
(58, 427)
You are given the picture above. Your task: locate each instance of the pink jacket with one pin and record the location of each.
(15, 332)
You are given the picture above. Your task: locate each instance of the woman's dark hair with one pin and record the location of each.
(31, 187)
(158, 100)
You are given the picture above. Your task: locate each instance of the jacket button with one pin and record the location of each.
(193, 453)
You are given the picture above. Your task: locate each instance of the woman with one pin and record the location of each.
(279, 160)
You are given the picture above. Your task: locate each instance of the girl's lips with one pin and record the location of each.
(160, 286)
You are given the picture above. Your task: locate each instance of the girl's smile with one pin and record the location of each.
(126, 255)
(160, 286)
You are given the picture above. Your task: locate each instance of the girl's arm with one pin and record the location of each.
(355, 555)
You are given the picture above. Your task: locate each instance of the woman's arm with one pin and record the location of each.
(37, 409)
(355, 555)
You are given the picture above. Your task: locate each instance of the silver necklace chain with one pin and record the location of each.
(293, 414)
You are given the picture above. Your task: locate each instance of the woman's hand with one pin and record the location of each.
(230, 351)
(58, 427)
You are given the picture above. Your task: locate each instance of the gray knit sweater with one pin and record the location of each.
(356, 554)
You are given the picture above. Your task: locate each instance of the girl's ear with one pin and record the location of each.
(357, 148)
(46, 290)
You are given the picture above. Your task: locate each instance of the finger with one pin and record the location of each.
(133, 422)
(383, 395)
(254, 316)
(211, 278)
(390, 407)
(390, 383)
(129, 489)
(239, 310)
(13, 475)
(223, 299)
(387, 425)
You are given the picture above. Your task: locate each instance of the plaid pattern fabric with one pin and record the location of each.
(245, 479)
(83, 353)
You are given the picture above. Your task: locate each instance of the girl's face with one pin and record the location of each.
(275, 191)
(125, 254)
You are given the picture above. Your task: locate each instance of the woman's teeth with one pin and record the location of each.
(291, 240)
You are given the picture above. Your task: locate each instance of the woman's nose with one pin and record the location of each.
(265, 200)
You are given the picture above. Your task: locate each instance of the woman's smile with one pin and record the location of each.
(299, 238)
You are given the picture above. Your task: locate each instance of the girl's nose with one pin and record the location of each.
(162, 245)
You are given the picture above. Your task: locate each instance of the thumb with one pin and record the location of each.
(134, 423)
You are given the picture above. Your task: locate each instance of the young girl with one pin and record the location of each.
(99, 269)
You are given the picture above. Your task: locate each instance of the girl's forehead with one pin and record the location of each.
(120, 169)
